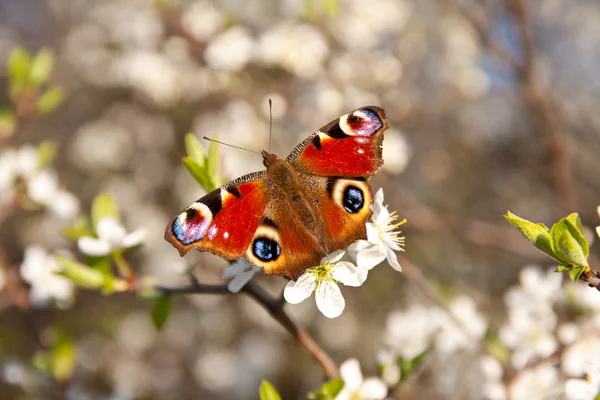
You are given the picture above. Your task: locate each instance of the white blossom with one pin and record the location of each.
(383, 238)
(323, 279)
(493, 388)
(464, 328)
(358, 388)
(231, 50)
(111, 237)
(239, 272)
(43, 188)
(410, 332)
(541, 382)
(39, 269)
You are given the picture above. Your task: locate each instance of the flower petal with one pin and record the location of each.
(383, 218)
(296, 292)
(93, 247)
(393, 259)
(370, 256)
(351, 374)
(111, 231)
(373, 389)
(372, 233)
(134, 238)
(240, 280)
(349, 274)
(329, 299)
(236, 268)
(333, 257)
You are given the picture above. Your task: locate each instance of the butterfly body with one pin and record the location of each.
(285, 219)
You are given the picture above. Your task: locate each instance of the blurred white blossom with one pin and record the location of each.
(112, 236)
(383, 238)
(202, 19)
(239, 272)
(463, 329)
(44, 189)
(396, 152)
(410, 332)
(231, 50)
(2, 278)
(323, 280)
(493, 387)
(529, 331)
(40, 269)
(541, 382)
(358, 388)
(299, 49)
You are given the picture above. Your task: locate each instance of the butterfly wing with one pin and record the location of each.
(224, 221)
(348, 146)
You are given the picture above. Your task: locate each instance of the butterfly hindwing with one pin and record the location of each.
(348, 146)
(224, 221)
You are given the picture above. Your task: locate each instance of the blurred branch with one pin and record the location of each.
(275, 307)
(544, 113)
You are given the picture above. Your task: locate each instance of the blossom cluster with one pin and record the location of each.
(383, 240)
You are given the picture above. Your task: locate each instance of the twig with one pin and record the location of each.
(544, 113)
(276, 309)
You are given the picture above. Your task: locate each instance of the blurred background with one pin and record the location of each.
(493, 106)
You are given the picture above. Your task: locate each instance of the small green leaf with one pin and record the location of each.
(81, 228)
(63, 358)
(103, 206)
(575, 273)
(46, 153)
(7, 123)
(268, 391)
(537, 234)
(195, 150)
(407, 367)
(162, 310)
(332, 388)
(562, 268)
(575, 220)
(50, 100)
(19, 65)
(81, 274)
(332, 7)
(199, 174)
(212, 162)
(41, 67)
(568, 243)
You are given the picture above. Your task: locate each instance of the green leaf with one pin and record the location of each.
(102, 265)
(575, 220)
(195, 150)
(162, 310)
(268, 392)
(46, 153)
(19, 65)
(63, 358)
(537, 234)
(103, 206)
(575, 273)
(568, 243)
(41, 67)
(81, 274)
(332, 7)
(562, 268)
(7, 123)
(212, 163)
(199, 174)
(407, 367)
(81, 228)
(50, 100)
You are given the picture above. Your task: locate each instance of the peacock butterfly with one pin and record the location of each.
(287, 218)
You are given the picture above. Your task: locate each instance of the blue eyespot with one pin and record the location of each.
(266, 249)
(353, 200)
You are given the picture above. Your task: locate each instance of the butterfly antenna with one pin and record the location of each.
(230, 145)
(270, 122)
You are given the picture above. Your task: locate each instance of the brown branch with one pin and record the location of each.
(544, 113)
(275, 307)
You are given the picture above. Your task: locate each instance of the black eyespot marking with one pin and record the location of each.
(316, 141)
(190, 213)
(266, 249)
(234, 191)
(353, 200)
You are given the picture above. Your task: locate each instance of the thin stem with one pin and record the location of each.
(276, 309)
